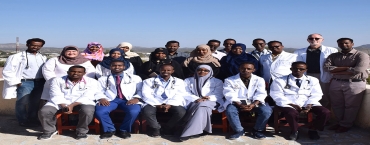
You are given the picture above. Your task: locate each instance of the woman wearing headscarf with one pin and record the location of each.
(157, 58)
(94, 52)
(58, 66)
(204, 94)
(103, 68)
(201, 55)
(231, 62)
(133, 57)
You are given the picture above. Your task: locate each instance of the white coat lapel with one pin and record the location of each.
(252, 86)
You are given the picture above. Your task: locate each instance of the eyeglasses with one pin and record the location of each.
(314, 38)
(300, 69)
(200, 70)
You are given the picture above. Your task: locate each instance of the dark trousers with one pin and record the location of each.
(150, 115)
(292, 116)
(48, 120)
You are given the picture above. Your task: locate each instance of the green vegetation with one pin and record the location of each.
(2, 63)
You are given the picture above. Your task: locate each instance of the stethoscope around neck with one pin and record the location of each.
(287, 86)
(124, 82)
(79, 84)
(156, 85)
(27, 66)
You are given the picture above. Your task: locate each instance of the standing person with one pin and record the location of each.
(165, 93)
(228, 43)
(157, 58)
(103, 68)
(214, 44)
(172, 47)
(315, 56)
(94, 52)
(231, 63)
(24, 81)
(348, 85)
(259, 44)
(246, 92)
(73, 92)
(204, 95)
(133, 57)
(202, 54)
(118, 90)
(297, 93)
(58, 67)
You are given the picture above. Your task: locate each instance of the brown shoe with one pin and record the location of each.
(342, 129)
(334, 127)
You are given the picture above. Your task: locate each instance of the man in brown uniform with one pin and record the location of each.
(348, 85)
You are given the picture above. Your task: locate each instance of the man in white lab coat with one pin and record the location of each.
(24, 81)
(298, 93)
(246, 92)
(119, 90)
(165, 93)
(73, 92)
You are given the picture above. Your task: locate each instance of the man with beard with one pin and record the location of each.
(214, 44)
(260, 50)
(348, 85)
(315, 56)
(24, 80)
(172, 47)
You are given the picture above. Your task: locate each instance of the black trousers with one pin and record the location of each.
(150, 115)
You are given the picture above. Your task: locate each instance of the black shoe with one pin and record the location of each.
(28, 124)
(258, 134)
(108, 134)
(189, 137)
(46, 136)
(312, 134)
(81, 136)
(166, 132)
(294, 135)
(155, 133)
(125, 135)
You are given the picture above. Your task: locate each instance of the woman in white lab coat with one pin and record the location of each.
(204, 95)
(58, 67)
(103, 68)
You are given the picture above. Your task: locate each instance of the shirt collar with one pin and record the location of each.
(115, 75)
(162, 80)
(310, 49)
(352, 51)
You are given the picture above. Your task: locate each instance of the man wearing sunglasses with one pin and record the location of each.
(315, 55)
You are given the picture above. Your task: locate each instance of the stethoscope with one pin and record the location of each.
(156, 85)
(287, 86)
(79, 84)
(27, 66)
(107, 85)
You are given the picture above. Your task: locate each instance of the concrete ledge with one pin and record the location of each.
(363, 117)
(6, 105)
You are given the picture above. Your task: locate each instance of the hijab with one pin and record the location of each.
(207, 58)
(107, 61)
(128, 54)
(98, 55)
(200, 81)
(233, 61)
(155, 63)
(79, 59)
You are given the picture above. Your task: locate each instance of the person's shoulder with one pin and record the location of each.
(90, 79)
(313, 79)
(148, 80)
(136, 77)
(178, 79)
(216, 80)
(300, 50)
(234, 77)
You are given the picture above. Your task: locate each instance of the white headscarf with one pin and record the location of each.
(128, 54)
(200, 81)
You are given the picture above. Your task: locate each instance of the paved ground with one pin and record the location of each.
(11, 133)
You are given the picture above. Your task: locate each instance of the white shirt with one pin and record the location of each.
(62, 91)
(284, 91)
(102, 71)
(218, 54)
(35, 63)
(325, 76)
(278, 68)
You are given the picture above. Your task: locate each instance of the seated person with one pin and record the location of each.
(298, 93)
(118, 90)
(165, 93)
(204, 94)
(73, 92)
(246, 92)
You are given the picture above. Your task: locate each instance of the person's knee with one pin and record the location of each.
(180, 111)
(231, 109)
(88, 110)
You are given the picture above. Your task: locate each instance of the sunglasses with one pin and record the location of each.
(200, 70)
(314, 38)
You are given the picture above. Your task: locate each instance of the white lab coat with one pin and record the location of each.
(153, 89)
(325, 52)
(280, 67)
(283, 94)
(218, 54)
(62, 93)
(235, 90)
(53, 68)
(12, 73)
(212, 88)
(102, 71)
(130, 87)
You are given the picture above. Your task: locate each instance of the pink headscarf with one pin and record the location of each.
(98, 55)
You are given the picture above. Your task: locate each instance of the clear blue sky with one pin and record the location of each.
(151, 23)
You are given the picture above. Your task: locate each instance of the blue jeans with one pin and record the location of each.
(264, 112)
(28, 94)
(131, 113)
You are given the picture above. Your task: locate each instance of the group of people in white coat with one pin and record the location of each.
(68, 83)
